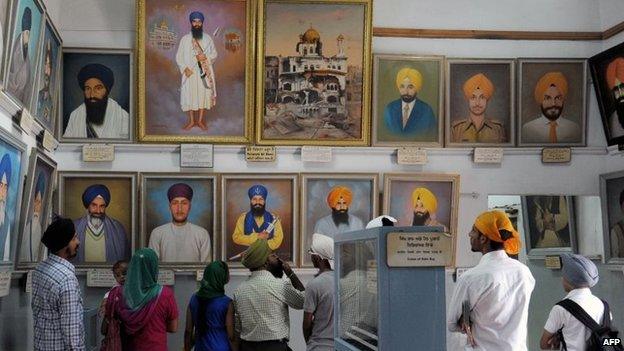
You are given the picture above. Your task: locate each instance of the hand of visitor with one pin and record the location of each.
(287, 269)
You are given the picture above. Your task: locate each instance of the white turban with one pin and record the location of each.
(378, 222)
(323, 246)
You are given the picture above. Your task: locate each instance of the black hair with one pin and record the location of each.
(118, 264)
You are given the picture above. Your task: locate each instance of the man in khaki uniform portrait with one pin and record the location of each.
(477, 128)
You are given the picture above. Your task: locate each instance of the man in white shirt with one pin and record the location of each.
(99, 116)
(497, 290)
(550, 126)
(181, 240)
(579, 275)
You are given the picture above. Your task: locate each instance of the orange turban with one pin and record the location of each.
(479, 82)
(556, 79)
(489, 223)
(338, 192)
(427, 198)
(615, 70)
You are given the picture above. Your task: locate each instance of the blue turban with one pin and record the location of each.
(96, 70)
(257, 190)
(26, 19)
(579, 271)
(196, 15)
(5, 167)
(40, 187)
(94, 191)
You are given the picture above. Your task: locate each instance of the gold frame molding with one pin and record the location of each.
(141, 134)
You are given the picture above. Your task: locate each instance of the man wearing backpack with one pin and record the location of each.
(564, 327)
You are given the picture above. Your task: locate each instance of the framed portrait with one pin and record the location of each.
(45, 100)
(549, 225)
(607, 71)
(313, 82)
(6, 10)
(98, 96)
(612, 202)
(259, 206)
(103, 207)
(552, 103)
(36, 208)
(178, 217)
(423, 199)
(335, 203)
(407, 100)
(23, 52)
(196, 70)
(12, 162)
(480, 102)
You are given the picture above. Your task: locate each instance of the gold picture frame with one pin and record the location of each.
(319, 106)
(228, 35)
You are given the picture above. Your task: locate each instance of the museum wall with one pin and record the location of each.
(111, 24)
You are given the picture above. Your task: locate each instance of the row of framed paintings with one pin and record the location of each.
(193, 218)
(30, 59)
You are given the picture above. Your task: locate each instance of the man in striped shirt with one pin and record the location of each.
(56, 298)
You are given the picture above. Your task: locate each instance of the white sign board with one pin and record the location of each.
(419, 249)
(197, 155)
(5, 283)
(488, 155)
(316, 154)
(98, 153)
(411, 156)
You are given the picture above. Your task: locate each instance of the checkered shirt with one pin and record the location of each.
(57, 306)
(261, 307)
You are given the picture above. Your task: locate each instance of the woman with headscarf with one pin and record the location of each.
(210, 314)
(147, 310)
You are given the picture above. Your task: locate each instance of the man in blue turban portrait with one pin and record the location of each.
(31, 239)
(5, 223)
(99, 116)
(102, 238)
(19, 78)
(195, 58)
(258, 223)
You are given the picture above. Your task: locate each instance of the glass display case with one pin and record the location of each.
(384, 304)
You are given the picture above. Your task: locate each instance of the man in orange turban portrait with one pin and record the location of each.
(425, 206)
(615, 82)
(551, 126)
(340, 220)
(477, 128)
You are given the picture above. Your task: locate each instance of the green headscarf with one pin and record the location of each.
(256, 255)
(213, 281)
(141, 284)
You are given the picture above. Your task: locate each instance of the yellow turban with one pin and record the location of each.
(551, 78)
(490, 223)
(428, 199)
(413, 75)
(338, 192)
(479, 82)
(615, 70)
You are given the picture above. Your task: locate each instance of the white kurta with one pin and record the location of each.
(186, 243)
(327, 226)
(7, 245)
(115, 125)
(19, 71)
(31, 239)
(498, 290)
(538, 131)
(193, 94)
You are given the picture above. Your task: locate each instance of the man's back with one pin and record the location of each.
(261, 305)
(320, 302)
(498, 290)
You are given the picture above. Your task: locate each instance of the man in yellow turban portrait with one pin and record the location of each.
(477, 128)
(551, 126)
(615, 81)
(340, 220)
(425, 206)
(409, 115)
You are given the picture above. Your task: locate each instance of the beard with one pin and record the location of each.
(420, 218)
(619, 109)
(96, 220)
(408, 98)
(197, 32)
(277, 269)
(552, 113)
(340, 216)
(96, 110)
(257, 210)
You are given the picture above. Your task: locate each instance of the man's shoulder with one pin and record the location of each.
(565, 122)
(115, 222)
(198, 228)
(464, 122)
(534, 123)
(79, 111)
(161, 229)
(394, 104)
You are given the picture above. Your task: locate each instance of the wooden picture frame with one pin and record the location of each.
(611, 199)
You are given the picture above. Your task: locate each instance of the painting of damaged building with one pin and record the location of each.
(313, 75)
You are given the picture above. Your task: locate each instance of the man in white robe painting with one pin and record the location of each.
(195, 56)
(20, 71)
(31, 238)
(99, 116)
(180, 240)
